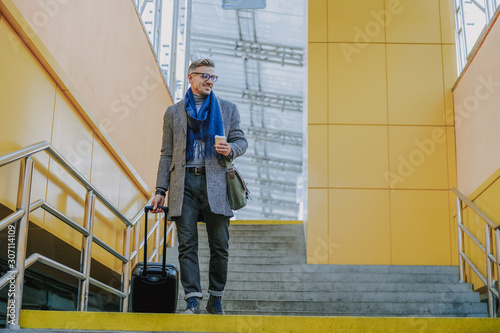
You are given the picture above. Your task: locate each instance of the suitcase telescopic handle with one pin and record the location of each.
(164, 262)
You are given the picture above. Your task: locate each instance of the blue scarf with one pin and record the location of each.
(205, 126)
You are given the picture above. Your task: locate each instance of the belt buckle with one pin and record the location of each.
(196, 171)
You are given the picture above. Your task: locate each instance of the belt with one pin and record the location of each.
(197, 171)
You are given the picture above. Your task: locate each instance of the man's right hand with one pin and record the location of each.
(158, 200)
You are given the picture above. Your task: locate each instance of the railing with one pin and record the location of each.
(17, 261)
(465, 43)
(492, 259)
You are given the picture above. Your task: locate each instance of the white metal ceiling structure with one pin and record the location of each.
(259, 57)
(260, 63)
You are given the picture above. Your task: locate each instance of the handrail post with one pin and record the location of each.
(126, 271)
(23, 202)
(487, 241)
(497, 248)
(461, 263)
(86, 255)
(137, 245)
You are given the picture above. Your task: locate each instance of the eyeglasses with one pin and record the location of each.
(207, 76)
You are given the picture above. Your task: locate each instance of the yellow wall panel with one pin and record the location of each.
(450, 77)
(358, 156)
(390, 62)
(111, 230)
(73, 140)
(34, 109)
(357, 85)
(453, 228)
(360, 21)
(413, 21)
(117, 77)
(318, 156)
(452, 159)
(317, 21)
(415, 84)
(447, 11)
(27, 98)
(488, 201)
(105, 176)
(418, 157)
(131, 199)
(105, 172)
(420, 227)
(360, 227)
(318, 83)
(318, 244)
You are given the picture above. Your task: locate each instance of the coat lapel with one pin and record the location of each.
(183, 117)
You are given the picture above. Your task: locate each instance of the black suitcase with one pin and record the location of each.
(154, 286)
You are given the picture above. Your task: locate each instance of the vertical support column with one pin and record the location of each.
(126, 271)
(461, 263)
(23, 202)
(86, 255)
(173, 50)
(137, 241)
(497, 250)
(487, 241)
(157, 30)
(187, 30)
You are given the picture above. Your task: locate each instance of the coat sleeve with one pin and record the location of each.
(236, 137)
(163, 176)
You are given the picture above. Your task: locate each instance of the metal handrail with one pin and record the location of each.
(476, 209)
(492, 261)
(24, 208)
(52, 152)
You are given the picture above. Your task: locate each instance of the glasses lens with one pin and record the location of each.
(206, 76)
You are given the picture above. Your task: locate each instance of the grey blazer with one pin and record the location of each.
(171, 169)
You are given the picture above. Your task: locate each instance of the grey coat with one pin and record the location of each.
(171, 169)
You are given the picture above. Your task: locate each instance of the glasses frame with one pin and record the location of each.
(207, 76)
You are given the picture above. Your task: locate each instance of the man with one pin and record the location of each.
(192, 169)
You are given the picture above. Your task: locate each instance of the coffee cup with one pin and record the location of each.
(219, 139)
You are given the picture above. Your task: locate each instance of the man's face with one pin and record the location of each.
(198, 84)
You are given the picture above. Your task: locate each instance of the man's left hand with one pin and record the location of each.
(223, 148)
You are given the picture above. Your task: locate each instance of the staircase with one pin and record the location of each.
(268, 276)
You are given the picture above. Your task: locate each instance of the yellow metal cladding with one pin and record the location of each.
(124, 322)
(380, 129)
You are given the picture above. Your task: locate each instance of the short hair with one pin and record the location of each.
(199, 63)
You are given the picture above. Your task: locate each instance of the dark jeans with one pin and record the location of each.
(196, 201)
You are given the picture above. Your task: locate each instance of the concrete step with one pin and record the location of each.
(385, 316)
(306, 286)
(267, 260)
(288, 252)
(350, 296)
(338, 277)
(267, 227)
(250, 237)
(357, 308)
(308, 268)
(260, 246)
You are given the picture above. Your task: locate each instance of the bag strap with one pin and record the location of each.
(230, 169)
